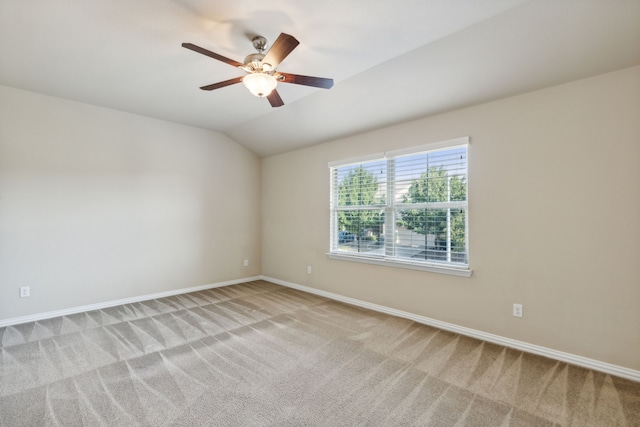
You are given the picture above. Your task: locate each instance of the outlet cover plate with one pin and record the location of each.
(517, 310)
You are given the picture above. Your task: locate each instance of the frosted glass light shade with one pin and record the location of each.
(260, 84)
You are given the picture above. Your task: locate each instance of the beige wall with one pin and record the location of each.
(98, 205)
(554, 183)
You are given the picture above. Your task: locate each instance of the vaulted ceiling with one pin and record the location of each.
(392, 61)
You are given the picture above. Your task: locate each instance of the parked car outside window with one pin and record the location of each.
(345, 236)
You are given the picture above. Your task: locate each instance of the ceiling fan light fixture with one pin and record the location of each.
(260, 84)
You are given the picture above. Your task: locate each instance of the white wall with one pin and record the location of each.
(99, 205)
(554, 202)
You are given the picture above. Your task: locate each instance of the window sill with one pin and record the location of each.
(433, 268)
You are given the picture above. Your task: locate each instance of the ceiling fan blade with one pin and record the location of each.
(274, 99)
(280, 49)
(223, 84)
(210, 54)
(306, 80)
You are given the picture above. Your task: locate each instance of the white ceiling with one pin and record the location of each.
(392, 61)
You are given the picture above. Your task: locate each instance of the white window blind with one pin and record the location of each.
(407, 207)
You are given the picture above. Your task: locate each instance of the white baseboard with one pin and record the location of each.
(608, 368)
(573, 359)
(97, 306)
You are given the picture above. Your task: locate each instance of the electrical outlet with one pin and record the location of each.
(25, 292)
(308, 269)
(246, 263)
(517, 310)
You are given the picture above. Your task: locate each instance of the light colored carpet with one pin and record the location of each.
(258, 354)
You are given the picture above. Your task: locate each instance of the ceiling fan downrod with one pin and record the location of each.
(253, 61)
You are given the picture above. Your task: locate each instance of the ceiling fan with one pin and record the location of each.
(262, 77)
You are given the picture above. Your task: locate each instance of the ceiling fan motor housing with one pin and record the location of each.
(253, 61)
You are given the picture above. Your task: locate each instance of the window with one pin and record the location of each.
(406, 208)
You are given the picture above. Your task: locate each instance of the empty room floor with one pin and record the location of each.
(259, 354)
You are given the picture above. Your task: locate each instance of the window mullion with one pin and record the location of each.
(390, 223)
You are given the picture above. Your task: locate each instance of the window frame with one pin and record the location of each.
(391, 206)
